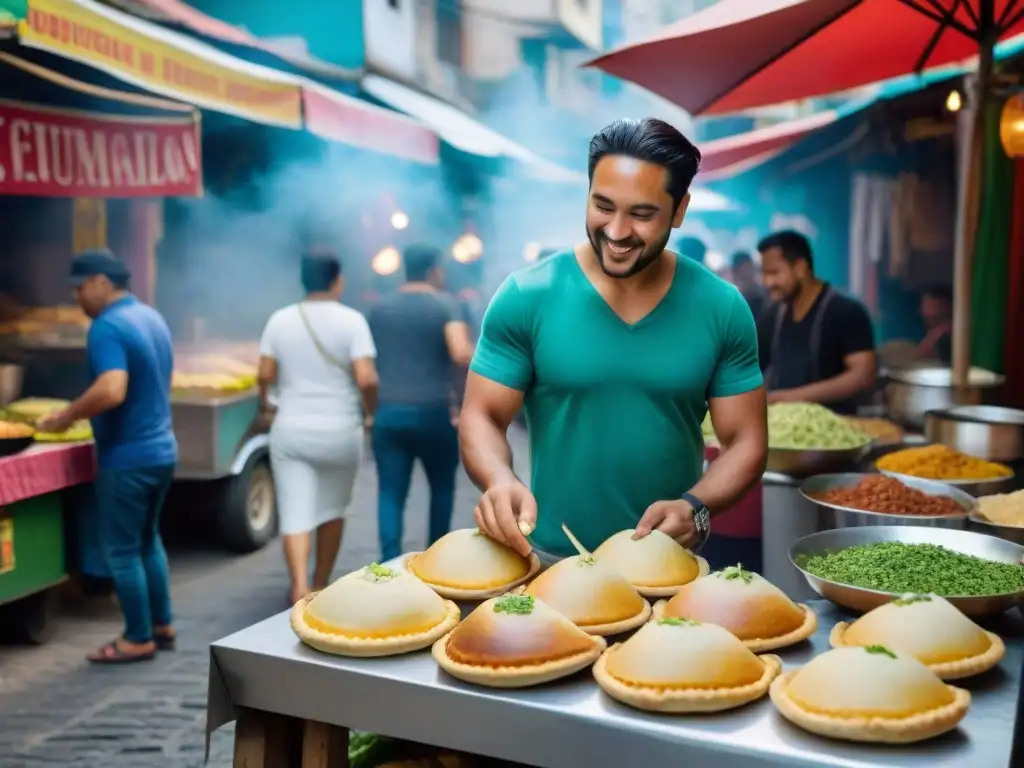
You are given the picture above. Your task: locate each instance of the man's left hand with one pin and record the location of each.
(673, 518)
(55, 423)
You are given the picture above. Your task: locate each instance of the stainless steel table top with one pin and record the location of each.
(572, 722)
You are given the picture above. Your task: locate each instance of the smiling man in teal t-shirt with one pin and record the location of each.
(616, 350)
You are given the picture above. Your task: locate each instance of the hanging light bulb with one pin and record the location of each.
(531, 252)
(954, 102)
(467, 248)
(715, 260)
(399, 220)
(1011, 126)
(386, 261)
(461, 253)
(473, 244)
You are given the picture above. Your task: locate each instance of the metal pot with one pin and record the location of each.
(912, 392)
(11, 377)
(985, 431)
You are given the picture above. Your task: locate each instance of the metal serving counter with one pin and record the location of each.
(572, 722)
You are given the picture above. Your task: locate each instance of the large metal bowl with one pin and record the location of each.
(985, 526)
(836, 516)
(975, 488)
(861, 599)
(804, 463)
(911, 392)
(986, 431)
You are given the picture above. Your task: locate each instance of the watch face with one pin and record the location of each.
(702, 519)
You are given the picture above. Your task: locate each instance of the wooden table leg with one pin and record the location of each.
(324, 746)
(267, 740)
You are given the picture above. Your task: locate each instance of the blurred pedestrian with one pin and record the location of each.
(420, 333)
(744, 276)
(693, 248)
(319, 355)
(937, 314)
(130, 357)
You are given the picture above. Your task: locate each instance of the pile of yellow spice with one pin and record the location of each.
(940, 462)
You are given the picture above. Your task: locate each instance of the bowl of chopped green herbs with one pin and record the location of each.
(863, 568)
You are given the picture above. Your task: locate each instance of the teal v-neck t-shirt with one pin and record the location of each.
(614, 410)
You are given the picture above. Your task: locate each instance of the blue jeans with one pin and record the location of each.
(128, 511)
(401, 435)
(723, 551)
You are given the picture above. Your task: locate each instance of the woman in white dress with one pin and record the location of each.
(319, 356)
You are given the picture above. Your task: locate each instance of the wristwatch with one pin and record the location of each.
(701, 519)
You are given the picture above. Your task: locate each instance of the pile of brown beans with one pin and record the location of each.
(888, 495)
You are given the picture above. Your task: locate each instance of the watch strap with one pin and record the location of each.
(701, 518)
(693, 501)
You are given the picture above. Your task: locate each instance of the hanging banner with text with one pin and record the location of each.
(48, 152)
(161, 61)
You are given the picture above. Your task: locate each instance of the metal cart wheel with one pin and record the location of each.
(36, 617)
(248, 516)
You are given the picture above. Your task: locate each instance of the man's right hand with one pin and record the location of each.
(503, 511)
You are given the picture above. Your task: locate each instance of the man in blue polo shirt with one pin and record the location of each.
(130, 357)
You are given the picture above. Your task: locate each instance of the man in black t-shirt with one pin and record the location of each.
(816, 344)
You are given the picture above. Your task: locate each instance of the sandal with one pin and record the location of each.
(165, 642)
(112, 654)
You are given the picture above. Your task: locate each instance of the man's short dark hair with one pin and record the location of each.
(692, 248)
(794, 246)
(319, 272)
(941, 292)
(419, 261)
(652, 141)
(740, 259)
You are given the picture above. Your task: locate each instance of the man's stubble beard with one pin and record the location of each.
(648, 256)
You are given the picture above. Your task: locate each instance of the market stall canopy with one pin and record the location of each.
(739, 54)
(726, 157)
(462, 131)
(706, 201)
(161, 61)
(184, 15)
(337, 117)
(51, 151)
(166, 62)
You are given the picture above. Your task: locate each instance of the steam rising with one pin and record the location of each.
(231, 259)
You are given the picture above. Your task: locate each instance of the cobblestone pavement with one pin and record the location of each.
(57, 710)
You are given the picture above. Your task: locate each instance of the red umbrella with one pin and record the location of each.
(740, 54)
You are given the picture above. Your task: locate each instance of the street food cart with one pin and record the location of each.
(281, 691)
(221, 444)
(51, 206)
(286, 695)
(32, 532)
